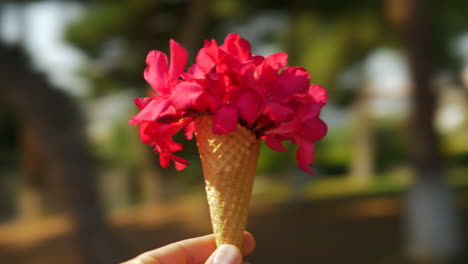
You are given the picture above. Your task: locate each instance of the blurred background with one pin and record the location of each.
(391, 176)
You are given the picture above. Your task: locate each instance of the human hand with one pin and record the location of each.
(197, 251)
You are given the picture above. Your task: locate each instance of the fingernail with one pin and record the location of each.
(227, 254)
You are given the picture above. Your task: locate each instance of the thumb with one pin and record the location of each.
(225, 254)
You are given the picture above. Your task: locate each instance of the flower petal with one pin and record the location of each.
(157, 132)
(164, 159)
(189, 129)
(292, 80)
(237, 47)
(151, 112)
(156, 71)
(179, 163)
(308, 111)
(312, 130)
(142, 102)
(142, 130)
(318, 93)
(207, 103)
(277, 112)
(249, 105)
(178, 61)
(274, 144)
(285, 129)
(166, 148)
(225, 120)
(305, 155)
(185, 95)
(172, 146)
(206, 58)
(273, 63)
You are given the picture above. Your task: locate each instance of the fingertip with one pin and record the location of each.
(225, 253)
(249, 244)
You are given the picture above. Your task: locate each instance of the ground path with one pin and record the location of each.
(365, 230)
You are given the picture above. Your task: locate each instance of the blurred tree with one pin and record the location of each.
(363, 162)
(55, 127)
(32, 200)
(118, 43)
(111, 28)
(316, 38)
(8, 163)
(433, 224)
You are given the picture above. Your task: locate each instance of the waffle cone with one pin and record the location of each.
(229, 163)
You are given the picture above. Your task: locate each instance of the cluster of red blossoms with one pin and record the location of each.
(234, 86)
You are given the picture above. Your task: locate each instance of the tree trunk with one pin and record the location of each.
(433, 227)
(363, 161)
(153, 182)
(31, 194)
(197, 15)
(54, 119)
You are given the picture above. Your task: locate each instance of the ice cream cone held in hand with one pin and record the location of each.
(229, 163)
(232, 100)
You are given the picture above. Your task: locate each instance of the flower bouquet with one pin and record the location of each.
(230, 99)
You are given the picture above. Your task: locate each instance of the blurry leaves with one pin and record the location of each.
(109, 19)
(333, 152)
(326, 37)
(137, 26)
(449, 21)
(327, 46)
(226, 8)
(116, 35)
(122, 147)
(274, 162)
(392, 143)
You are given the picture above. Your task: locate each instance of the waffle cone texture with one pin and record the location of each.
(229, 164)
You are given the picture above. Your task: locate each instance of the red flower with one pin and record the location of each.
(234, 86)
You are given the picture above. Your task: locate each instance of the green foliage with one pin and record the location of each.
(345, 186)
(449, 20)
(109, 19)
(325, 37)
(391, 143)
(455, 149)
(334, 152)
(224, 9)
(136, 25)
(455, 142)
(122, 148)
(327, 44)
(274, 162)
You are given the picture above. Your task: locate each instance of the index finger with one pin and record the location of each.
(190, 251)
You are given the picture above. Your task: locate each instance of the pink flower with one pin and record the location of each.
(233, 85)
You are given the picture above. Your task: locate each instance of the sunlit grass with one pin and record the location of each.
(348, 186)
(458, 177)
(343, 186)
